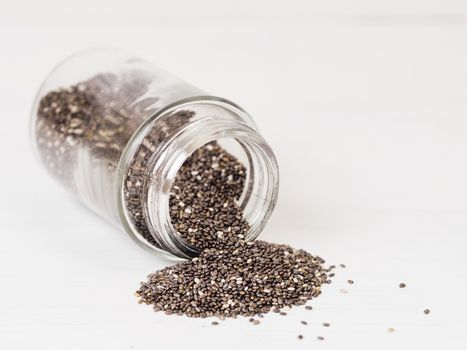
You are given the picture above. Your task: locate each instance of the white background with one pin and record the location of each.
(364, 103)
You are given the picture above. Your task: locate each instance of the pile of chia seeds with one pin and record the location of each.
(244, 278)
(231, 276)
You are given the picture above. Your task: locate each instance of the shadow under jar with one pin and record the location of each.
(115, 130)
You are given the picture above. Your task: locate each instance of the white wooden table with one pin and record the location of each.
(367, 112)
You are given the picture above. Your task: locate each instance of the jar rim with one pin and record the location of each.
(234, 124)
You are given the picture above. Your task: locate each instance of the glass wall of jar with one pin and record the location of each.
(115, 129)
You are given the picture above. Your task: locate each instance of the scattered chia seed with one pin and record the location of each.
(231, 276)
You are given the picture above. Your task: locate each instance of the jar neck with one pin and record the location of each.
(187, 126)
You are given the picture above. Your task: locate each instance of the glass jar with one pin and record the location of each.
(115, 129)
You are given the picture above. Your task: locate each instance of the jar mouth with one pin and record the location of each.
(216, 120)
